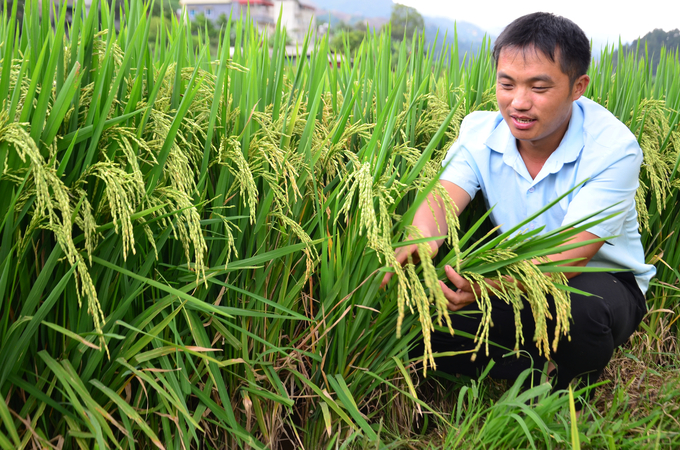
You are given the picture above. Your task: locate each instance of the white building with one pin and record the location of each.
(296, 17)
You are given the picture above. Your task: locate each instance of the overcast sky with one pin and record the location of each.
(602, 20)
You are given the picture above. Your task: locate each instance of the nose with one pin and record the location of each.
(521, 100)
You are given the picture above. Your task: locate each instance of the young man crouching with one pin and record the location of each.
(544, 140)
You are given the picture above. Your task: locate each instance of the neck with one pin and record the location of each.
(536, 153)
(533, 160)
(543, 148)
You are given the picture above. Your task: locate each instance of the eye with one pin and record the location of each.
(505, 85)
(540, 88)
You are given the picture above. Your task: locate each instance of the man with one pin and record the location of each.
(545, 140)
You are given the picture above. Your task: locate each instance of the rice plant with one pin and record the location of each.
(191, 243)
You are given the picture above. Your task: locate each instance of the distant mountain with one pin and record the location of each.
(465, 30)
(470, 36)
(377, 12)
(335, 18)
(371, 8)
(653, 41)
(656, 39)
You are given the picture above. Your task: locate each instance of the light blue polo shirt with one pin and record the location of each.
(596, 146)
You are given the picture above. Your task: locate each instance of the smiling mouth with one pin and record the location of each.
(524, 120)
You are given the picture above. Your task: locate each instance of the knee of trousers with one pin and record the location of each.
(590, 316)
(591, 343)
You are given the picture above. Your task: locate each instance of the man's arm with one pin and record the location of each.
(586, 252)
(464, 294)
(427, 223)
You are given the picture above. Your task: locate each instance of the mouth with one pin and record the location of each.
(522, 122)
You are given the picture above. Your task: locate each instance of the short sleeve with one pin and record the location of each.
(458, 167)
(613, 188)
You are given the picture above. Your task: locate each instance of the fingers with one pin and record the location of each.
(386, 279)
(456, 279)
(401, 255)
(404, 252)
(461, 297)
(456, 299)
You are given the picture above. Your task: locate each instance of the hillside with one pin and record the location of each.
(654, 41)
(378, 12)
(375, 8)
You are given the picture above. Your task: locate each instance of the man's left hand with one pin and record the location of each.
(464, 294)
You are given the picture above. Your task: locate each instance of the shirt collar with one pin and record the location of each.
(501, 139)
(572, 142)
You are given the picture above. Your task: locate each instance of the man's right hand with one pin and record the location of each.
(430, 225)
(402, 254)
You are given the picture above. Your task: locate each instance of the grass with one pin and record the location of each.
(191, 243)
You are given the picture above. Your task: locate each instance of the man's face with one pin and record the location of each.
(535, 97)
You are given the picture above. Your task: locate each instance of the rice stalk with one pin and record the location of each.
(123, 194)
(653, 126)
(230, 152)
(53, 211)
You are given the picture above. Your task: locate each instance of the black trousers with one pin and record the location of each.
(600, 323)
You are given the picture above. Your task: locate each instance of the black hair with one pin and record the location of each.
(546, 33)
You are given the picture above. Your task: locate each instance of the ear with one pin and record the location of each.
(580, 86)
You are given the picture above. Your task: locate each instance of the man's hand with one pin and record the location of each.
(402, 255)
(464, 294)
(430, 219)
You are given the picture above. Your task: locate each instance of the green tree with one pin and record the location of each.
(651, 43)
(169, 8)
(405, 22)
(352, 35)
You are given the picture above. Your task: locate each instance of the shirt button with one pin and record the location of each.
(532, 226)
(531, 189)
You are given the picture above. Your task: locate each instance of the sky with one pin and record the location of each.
(602, 20)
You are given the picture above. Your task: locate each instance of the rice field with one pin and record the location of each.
(192, 244)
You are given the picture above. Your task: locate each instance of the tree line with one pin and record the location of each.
(652, 43)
